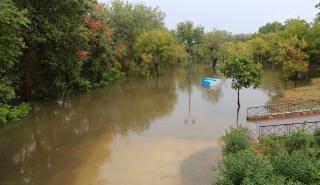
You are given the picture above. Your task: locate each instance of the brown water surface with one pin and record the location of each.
(134, 132)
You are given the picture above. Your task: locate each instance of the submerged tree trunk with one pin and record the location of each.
(26, 74)
(238, 109)
(238, 98)
(156, 68)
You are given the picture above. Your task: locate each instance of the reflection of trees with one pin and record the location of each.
(272, 80)
(212, 96)
(56, 139)
(198, 72)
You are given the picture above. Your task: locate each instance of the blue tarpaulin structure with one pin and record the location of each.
(210, 82)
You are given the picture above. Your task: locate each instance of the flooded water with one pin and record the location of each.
(134, 132)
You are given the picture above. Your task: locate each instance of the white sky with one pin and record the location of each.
(237, 16)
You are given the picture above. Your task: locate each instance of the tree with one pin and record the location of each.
(317, 19)
(190, 35)
(50, 65)
(12, 24)
(159, 47)
(291, 56)
(313, 40)
(295, 27)
(211, 45)
(100, 65)
(243, 72)
(271, 28)
(259, 48)
(128, 21)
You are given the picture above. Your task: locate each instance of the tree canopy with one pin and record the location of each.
(243, 72)
(159, 47)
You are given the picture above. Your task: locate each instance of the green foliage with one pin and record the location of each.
(298, 166)
(212, 42)
(128, 21)
(243, 72)
(262, 180)
(298, 140)
(313, 40)
(273, 164)
(271, 28)
(190, 35)
(236, 140)
(317, 136)
(159, 47)
(242, 165)
(260, 48)
(317, 19)
(13, 113)
(270, 147)
(12, 24)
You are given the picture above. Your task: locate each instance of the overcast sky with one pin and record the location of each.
(237, 16)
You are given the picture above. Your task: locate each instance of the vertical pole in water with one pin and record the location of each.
(189, 83)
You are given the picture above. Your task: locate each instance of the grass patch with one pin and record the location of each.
(302, 93)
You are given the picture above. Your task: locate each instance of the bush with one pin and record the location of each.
(270, 147)
(317, 136)
(298, 140)
(241, 165)
(260, 180)
(13, 113)
(298, 166)
(236, 140)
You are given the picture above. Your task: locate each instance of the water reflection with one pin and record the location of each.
(66, 133)
(132, 132)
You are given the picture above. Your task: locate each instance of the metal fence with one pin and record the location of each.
(283, 108)
(286, 129)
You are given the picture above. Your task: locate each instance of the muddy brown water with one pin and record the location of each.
(135, 132)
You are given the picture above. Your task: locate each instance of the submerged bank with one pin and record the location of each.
(311, 91)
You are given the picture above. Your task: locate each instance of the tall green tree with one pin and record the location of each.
(271, 28)
(291, 56)
(100, 65)
(190, 35)
(127, 22)
(243, 72)
(313, 40)
(259, 48)
(159, 48)
(317, 19)
(12, 24)
(50, 65)
(211, 45)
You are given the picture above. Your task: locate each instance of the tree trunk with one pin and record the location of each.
(238, 112)
(156, 68)
(26, 74)
(238, 98)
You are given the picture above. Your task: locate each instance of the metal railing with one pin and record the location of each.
(286, 129)
(283, 108)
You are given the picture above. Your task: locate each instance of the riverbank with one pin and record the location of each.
(301, 93)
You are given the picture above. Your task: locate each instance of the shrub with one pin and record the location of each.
(236, 140)
(14, 113)
(261, 180)
(271, 146)
(241, 165)
(298, 140)
(317, 136)
(298, 166)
